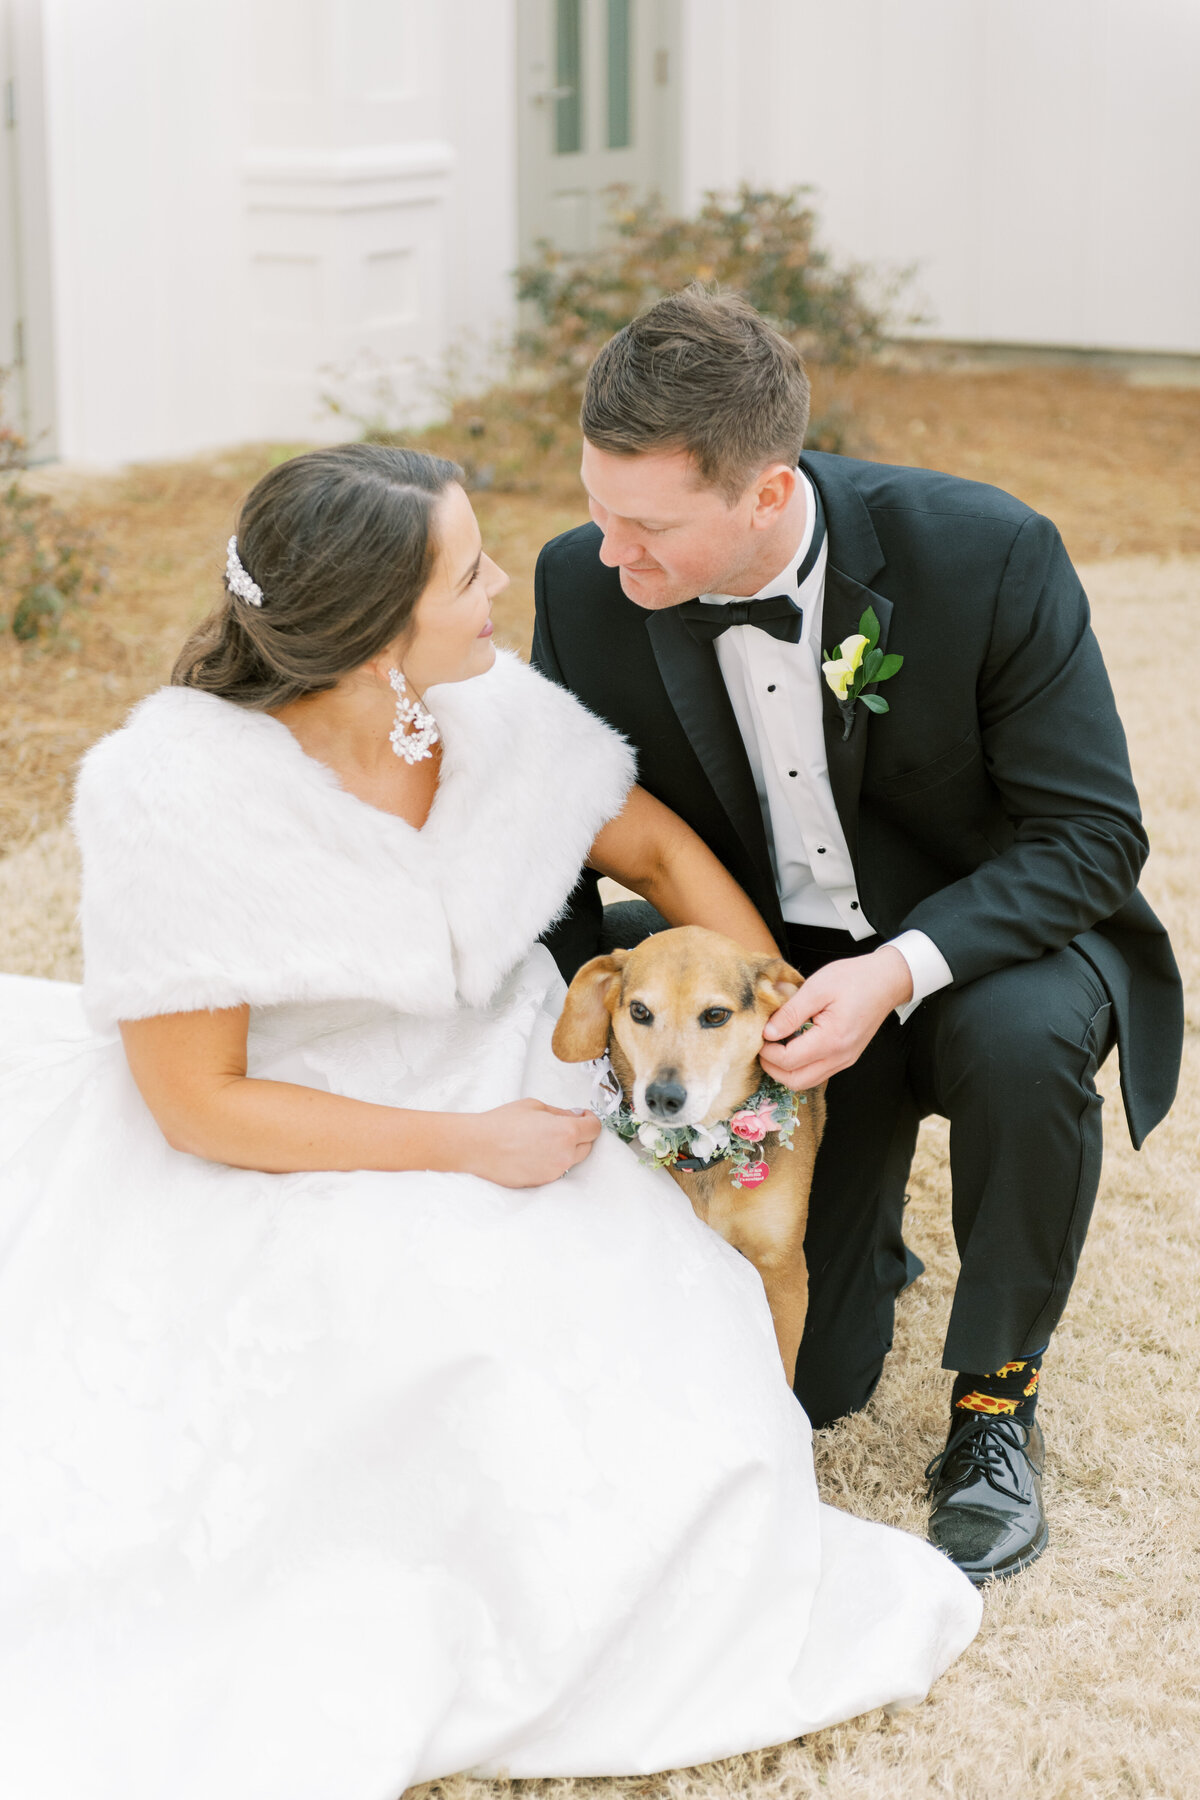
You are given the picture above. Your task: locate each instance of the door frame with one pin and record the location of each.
(33, 394)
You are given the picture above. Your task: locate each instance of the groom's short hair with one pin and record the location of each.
(702, 372)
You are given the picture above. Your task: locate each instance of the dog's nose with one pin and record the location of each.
(665, 1097)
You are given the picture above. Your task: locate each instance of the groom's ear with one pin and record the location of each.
(582, 1030)
(774, 488)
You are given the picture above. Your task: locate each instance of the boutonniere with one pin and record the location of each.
(855, 665)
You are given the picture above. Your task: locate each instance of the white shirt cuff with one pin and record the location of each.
(927, 966)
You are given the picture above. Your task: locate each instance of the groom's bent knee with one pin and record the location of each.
(1022, 1029)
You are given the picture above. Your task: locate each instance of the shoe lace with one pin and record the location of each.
(985, 1447)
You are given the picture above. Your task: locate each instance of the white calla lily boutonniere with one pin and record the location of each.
(857, 664)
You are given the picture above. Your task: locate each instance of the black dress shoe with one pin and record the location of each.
(986, 1495)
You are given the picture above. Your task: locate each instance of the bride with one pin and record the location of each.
(343, 1444)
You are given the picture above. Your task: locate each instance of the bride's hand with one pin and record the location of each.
(528, 1143)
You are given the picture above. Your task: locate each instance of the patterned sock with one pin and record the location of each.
(1008, 1393)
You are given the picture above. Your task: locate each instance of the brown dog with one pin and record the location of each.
(682, 1018)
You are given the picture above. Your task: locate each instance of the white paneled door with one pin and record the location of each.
(598, 85)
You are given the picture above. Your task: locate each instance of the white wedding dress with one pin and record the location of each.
(314, 1486)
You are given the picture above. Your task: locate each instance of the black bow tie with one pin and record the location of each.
(774, 613)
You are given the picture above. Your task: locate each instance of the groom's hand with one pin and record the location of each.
(846, 1003)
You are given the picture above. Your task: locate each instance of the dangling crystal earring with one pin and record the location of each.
(416, 745)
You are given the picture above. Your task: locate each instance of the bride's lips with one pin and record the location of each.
(487, 630)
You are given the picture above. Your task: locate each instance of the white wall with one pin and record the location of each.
(1039, 159)
(251, 197)
(144, 215)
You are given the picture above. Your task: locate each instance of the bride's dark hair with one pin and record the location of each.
(341, 544)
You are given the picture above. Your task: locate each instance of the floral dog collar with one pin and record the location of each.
(771, 1108)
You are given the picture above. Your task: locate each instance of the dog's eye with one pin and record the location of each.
(715, 1015)
(641, 1015)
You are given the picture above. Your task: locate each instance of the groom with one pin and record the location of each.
(955, 872)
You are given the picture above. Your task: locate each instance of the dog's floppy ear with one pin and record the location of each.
(776, 982)
(582, 1030)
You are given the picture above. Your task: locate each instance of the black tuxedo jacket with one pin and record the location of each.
(992, 807)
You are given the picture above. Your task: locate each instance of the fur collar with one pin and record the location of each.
(223, 866)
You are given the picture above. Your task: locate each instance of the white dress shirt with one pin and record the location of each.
(775, 690)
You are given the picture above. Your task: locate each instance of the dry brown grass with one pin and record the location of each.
(1116, 467)
(1084, 1683)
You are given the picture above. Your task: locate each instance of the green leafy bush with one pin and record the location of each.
(46, 564)
(761, 244)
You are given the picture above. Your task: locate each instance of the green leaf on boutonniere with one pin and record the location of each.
(888, 667)
(874, 703)
(869, 626)
(872, 662)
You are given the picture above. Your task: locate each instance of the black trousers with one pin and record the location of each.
(1010, 1060)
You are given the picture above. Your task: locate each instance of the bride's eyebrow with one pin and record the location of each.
(471, 573)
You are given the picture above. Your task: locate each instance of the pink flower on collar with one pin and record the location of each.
(753, 1126)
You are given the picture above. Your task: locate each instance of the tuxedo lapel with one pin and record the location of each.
(855, 559)
(692, 677)
(846, 601)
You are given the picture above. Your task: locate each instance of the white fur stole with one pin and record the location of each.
(224, 866)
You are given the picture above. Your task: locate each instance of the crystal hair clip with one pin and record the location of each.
(237, 580)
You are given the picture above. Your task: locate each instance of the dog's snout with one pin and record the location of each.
(666, 1096)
